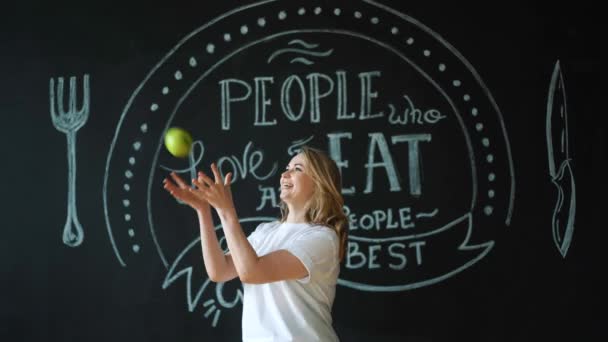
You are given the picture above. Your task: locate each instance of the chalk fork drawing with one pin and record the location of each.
(69, 122)
(560, 168)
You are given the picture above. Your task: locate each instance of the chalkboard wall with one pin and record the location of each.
(468, 136)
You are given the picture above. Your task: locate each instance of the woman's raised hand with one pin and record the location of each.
(182, 191)
(215, 191)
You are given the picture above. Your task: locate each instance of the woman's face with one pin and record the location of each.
(297, 186)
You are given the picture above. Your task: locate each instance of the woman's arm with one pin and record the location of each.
(251, 268)
(219, 266)
(254, 269)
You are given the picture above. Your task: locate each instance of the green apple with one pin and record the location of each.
(178, 142)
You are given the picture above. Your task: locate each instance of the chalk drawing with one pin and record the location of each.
(560, 162)
(297, 37)
(69, 122)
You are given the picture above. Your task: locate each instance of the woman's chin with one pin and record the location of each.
(288, 198)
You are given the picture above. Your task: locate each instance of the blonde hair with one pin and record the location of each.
(326, 205)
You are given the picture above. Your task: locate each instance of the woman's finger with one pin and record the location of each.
(178, 180)
(167, 184)
(198, 193)
(227, 182)
(174, 190)
(205, 179)
(228, 179)
(200, 186)
(193, 197)
(216, 173)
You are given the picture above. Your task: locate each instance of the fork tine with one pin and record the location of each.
(72, 96)
(60, 97)
(84, 110)
(52, 98)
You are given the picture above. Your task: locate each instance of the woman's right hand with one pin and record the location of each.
(182, 191)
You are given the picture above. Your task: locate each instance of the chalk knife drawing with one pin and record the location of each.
(560, 168)
(69, 122)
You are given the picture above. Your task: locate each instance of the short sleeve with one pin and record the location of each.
(317, 249)
(255, 238)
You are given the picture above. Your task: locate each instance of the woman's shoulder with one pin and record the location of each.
(269, 225)
(321, 237)
(321, 230)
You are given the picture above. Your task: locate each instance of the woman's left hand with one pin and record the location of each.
(216, 191)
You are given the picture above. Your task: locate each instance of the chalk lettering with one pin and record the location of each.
(261, 102)
(377, 142)
(227, 99)
(413, 158)
(315, 96)
(335, 152)
(286, 100)
(385, 219)
(268, 194)
(367, 95)
(413, 115)
(371, 256)
(320, 87)
(248, 164)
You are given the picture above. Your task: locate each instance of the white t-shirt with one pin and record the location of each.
(293, 310)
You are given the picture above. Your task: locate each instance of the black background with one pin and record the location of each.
(522, 291)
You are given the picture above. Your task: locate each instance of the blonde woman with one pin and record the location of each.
(289, 268)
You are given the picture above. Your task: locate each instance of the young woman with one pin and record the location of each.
(289, 268)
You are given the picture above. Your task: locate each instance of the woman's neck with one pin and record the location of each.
(296, 215)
